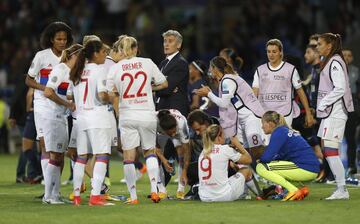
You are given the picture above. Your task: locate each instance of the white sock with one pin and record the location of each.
(181, 187)
(99, 174)
(160, 184)
(252, 186)
(153, 171)
(44, 163)
(130, 177)
(52, 173)
(337, 169)
(78, 175)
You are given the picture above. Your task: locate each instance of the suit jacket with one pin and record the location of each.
(175, 96)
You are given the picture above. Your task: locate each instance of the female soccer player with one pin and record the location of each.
(173, 124)
(213, 167)
(287, 157)
(274, 82)
(55, 121)
(133, 77)
(91, 99)
(236, 93)
(333, 104)
(54, 39)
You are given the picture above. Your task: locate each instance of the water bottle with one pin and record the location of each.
(171, 162)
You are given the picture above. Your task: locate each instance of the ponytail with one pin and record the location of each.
(220, 63)
(87, 52)
(336, 46)
(209, 137)
(276, 118)
(127, 46)
(68, 52)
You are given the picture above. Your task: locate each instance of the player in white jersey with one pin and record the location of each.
(274, 49)
(54, 119)
(249, 130)
(91, 99)
(334, 101)
(173, 124)
(54, 39)
(133, 77)
(214, 183)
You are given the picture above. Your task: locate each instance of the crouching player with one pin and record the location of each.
(215, 185)
(288, 157)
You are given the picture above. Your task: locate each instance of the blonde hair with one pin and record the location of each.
(209, 137)
(88, 38)
(68, 52)
(116, 45)
(277, 43)
(276, 118)
(127, 46)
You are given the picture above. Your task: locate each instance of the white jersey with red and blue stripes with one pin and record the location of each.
(40, 68)
(59, 82)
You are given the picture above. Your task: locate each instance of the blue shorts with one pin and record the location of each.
(30, 129)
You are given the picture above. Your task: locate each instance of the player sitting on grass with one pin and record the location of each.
(288, 157)
(214, 183)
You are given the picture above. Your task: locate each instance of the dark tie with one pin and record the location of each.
(165, 62)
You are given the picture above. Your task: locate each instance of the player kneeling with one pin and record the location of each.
(215, 185)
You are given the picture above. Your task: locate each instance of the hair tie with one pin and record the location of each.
(197, 67)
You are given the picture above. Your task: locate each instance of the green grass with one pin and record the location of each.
(17, 205)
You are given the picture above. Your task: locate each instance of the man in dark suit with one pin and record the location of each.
(176, 70)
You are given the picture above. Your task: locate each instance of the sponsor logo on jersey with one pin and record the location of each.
(273, 97)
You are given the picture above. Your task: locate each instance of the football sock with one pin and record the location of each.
(99, 174)
(153, 171)
(52, 173)
(130, 177)
(337, 169)
(79, 169)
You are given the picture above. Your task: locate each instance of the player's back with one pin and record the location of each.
(132, 78)
(91, 112)
(213, 170)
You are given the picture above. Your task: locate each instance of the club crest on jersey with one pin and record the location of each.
(59, 146)
(54, 79)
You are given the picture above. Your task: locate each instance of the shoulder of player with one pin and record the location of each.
(335, 66)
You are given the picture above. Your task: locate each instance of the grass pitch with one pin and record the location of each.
(17, 205)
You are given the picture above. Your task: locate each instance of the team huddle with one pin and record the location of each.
(111, 93)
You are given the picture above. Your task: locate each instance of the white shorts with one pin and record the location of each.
(55, 135)
(135, 133)
(332, 129)
(94, 141)
(237, 186)
(38, 124)
(250, 133)
(73, 136)
(114, 132)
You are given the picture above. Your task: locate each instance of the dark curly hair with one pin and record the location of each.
(49, 33)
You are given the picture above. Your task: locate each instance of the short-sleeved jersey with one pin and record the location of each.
(213, 171)
(40, 68)
(133, 78)
(182, 128)
(91, 112)
(59, 82)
